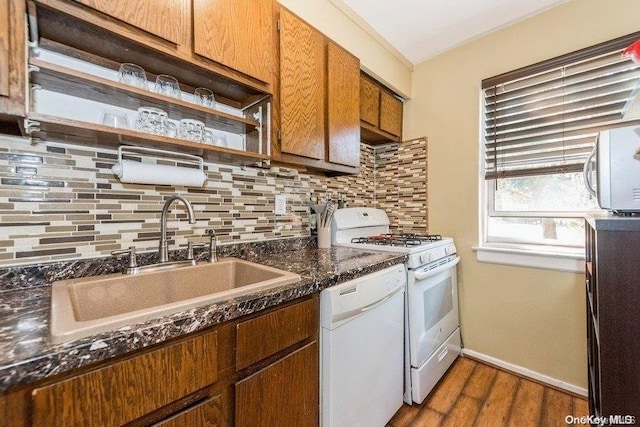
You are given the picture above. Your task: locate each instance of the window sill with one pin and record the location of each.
(523, 256)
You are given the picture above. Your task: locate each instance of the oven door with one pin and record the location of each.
(432, 295)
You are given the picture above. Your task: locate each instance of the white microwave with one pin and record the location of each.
(617, 170)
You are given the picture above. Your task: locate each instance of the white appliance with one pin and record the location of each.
(617, 169)
(361, 340)
(432, 324)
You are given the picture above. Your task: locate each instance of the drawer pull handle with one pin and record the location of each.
(442, 354)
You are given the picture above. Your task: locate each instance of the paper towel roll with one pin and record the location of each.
(132, 172)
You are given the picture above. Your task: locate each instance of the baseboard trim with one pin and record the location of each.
(524, 372)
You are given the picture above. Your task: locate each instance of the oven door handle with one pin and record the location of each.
(421, 275)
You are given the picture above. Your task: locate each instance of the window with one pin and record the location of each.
(539, 125)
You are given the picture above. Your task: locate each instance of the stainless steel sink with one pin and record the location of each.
(88, 306)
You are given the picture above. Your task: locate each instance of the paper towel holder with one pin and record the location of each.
(187, 176)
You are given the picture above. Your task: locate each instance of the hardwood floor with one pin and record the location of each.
(475, 394)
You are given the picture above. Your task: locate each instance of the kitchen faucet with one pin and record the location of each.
(163, 253)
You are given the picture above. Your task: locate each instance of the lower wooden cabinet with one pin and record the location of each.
(283, 394)
(214, 378)
(206, 413)
(124, 391)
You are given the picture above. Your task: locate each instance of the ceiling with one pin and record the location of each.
(421, 29)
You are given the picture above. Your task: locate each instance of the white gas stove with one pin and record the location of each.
(432, 327)
(368, 228)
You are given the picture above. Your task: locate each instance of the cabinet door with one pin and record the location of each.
(302, 88)
(124, 391)
(236, 33)
(12, 58)
(369, 102)
(343, 106)
(167, 19)
(266, 335)
(206, 414)
(5, 48)
(282, 394)
(390, 114)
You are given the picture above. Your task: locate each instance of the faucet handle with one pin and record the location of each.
(213, 245)
(191, 246)
(133, 259)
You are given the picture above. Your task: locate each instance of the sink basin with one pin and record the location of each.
(88, 306)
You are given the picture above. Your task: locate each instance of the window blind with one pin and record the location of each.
(544, 119)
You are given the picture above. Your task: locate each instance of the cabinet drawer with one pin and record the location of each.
(266, 335)
(208, 413)
(127, 390)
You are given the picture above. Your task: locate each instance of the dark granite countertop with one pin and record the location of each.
(27, 354)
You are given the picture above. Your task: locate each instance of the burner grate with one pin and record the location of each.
(405, 240)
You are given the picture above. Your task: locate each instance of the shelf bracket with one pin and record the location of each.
(268, 130)
(31, 126)
(32, 24)
(258, 117)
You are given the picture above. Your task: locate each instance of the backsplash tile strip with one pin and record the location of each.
(73, 190)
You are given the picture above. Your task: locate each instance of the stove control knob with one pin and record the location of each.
(425, 258)
(450, 249)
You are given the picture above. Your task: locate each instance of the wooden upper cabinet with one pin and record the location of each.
(167, 19)
(302, 88)
(390, 114)
(12, 59)
(5, 48)
(369, 102)
(343, 113)
(380, 112)
(236, 33)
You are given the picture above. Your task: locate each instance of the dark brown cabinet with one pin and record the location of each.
(613, 318)
(283, 394)
(380, 112)
(12, 59)
(261, 370)
(319, 100)
(125, 391)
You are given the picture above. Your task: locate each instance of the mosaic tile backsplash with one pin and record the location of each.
(62, 202)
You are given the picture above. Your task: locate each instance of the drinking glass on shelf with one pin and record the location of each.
(194, 130)
(155, 121)
(132, 75)
(168, 85)
(115, 119)
(203, 96)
